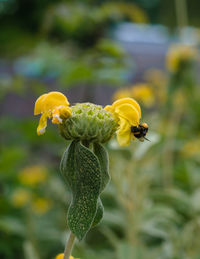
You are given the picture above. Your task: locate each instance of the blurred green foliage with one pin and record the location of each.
(65, 41)
(82, 23)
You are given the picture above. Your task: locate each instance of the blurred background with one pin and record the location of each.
(99, 51)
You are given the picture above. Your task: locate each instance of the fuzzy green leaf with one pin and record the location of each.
(81, 169)
(67, 166)
(99, 213)
(102, 155)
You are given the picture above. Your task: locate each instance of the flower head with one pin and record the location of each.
(127, 112)
(89, 122)
(52, 105)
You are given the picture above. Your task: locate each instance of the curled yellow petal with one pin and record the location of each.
(65, 111)
(52, 105)
(39, 104)
(50, 101)
(42, 124)
(59, 113)
(55, 99)
(108, 108)
(56, 116)
(128, 112)
(127, 100)
(124, 133)
(123, 139)
(124, 125)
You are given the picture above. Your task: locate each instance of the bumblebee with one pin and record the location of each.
(140, 131)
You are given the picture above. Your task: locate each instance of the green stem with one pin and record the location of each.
(31, 240)
(69, 246)
(181, 13)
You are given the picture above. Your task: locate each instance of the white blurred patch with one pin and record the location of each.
(143, 147)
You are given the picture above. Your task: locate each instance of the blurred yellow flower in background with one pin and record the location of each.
(179, 53)
(41, 205)
(60, 256)
(52, 105)
(180, 100)
(155, 76)
(121, 93)
(128, 113)
(33, 175)
(191, 148)
(158, 81)
(20, 198)
(144, 94)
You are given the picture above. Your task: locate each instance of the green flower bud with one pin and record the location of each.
(89, 122)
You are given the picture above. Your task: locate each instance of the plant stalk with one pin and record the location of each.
(69, 246)
(181, 13)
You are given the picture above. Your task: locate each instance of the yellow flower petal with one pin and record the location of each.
(42, 123)
(124, 139)
(61, 111)
(56, 116)
(53, 100)
(124, 125)
(124, 133)
(65, 111)
(53, 104)
(49, 101)
(128, 112)
(39, 104)
(127, 100)
(108, 108)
